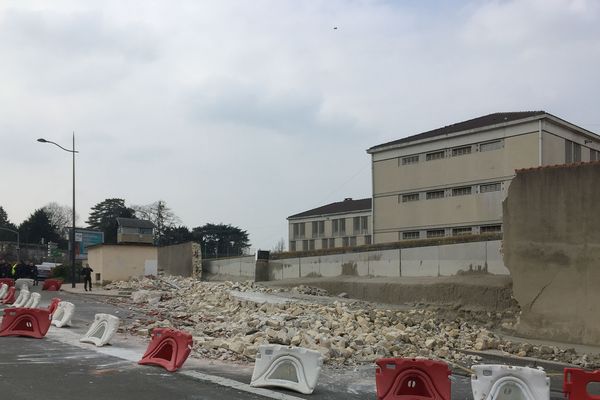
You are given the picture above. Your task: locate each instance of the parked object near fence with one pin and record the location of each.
(102, 330)
(9, 298)
(63, 314)
(53, 305)
(30, 322)
(168, 348)
(34, 300)
(576, 381)
(8, 281)
(293, 368)
(3, 290)
(52, 285)
(409, 378)
(504, 381)
(22, 298)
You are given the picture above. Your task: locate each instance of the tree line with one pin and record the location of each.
(51, 223)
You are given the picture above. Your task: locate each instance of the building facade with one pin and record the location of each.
(343, 224)
(133, 230)
(452, 180)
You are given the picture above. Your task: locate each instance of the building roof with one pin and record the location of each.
(348, 205)
(475, 123)
(134, 223)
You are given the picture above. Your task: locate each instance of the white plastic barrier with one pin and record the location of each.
(21, 298)
(34, 300)
(3, 291)
(293, 368)
(24, 281)
(509, 383)
(102, 330)
(63, 314)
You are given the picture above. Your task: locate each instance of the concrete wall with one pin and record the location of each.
(552, 249)
(180, 259)
(442, 260)
(120, 262)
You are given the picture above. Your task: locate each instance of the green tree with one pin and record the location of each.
(161, 216)
(38, 228)
(176, 235)
(220, 240)
(6, 236)
(104, 217)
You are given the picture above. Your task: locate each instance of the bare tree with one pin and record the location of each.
(279, 246)
(61, 217)
(161, 216)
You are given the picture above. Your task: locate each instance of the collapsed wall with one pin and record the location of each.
(552, 249)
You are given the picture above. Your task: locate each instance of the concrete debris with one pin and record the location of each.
(227, 326)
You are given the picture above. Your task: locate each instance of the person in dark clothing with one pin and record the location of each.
(5, 269)
(21, 271)
(87, 277)
(33, 273)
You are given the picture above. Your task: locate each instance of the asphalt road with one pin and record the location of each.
(59, 367)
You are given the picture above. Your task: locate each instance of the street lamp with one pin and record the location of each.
(72, 151)
(18, 242)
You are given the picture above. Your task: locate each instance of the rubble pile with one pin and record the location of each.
(227, 326)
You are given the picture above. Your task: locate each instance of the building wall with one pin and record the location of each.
(134, 238)
(552, 249)
(180, 259)
(120, 262)
(396, 185)
(362, 237)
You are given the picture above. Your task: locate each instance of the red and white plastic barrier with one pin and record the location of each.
(409, 378)
(168, 348)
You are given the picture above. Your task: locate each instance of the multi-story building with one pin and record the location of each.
(343, 224)
(452, 180)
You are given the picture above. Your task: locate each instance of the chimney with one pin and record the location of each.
(348, 199)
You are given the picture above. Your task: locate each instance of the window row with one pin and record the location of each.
(330, 243)
(442, 232)
(360, 226)
(452, 152)
(458, 191)
(573, 153)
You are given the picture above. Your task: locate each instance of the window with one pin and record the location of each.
(339, 226)
(331, 243)
(435, 233)
(461, 231)
(437, 194)
(345, 242)
(463, 191)
(292, 245)
(490, 187)
(324, 243)
(410, 197)
(305, 245)
(410, 160)
(488, 146)
(594, 155)
(490, 229)
(311, 244)
(352, 241)
(572, 152)
(146, 231)
(368, 239)
(435, 155)
(410, 235)
(461, 151)
(360, 224)
(318, 229)
(298, 230)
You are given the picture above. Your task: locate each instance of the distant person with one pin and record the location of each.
(87, 277)
(20, 270)
(33, 273)
(5, 270)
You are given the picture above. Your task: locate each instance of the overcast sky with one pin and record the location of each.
(246, 112)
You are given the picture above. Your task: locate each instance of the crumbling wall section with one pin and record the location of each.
(552, 249)
(178, 259)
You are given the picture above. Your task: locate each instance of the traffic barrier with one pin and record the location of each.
(30, 322)
(410, 378)
(294, 368)
(22, 298)
(63, 314)
(3, 290)
(168, 348)
(52, 285)
(505, 381)
(24, 282)
(53, 305)
(576, 381)
(102, 330)
(10, 296)
(9, 281)
(34, 300)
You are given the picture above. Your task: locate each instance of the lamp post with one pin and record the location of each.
(72, 151)
(18, 242)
